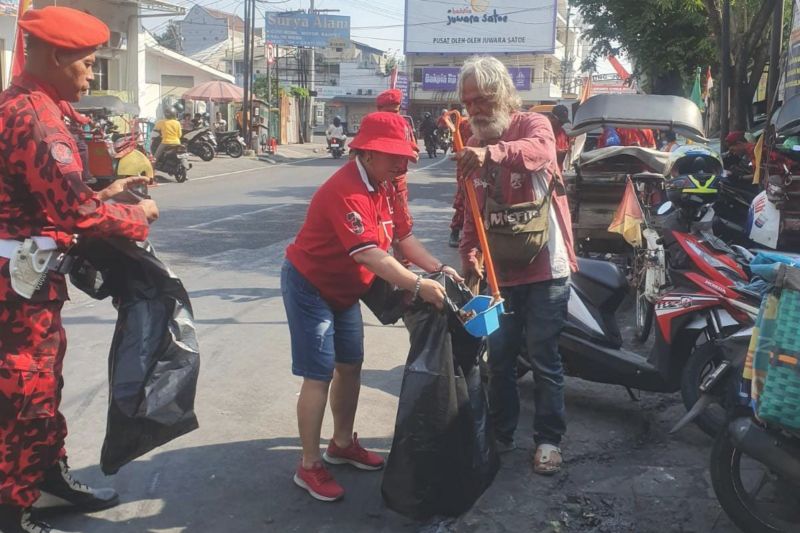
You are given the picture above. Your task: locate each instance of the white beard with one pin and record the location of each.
(488, 129)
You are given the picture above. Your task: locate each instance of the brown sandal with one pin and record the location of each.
(547, 460)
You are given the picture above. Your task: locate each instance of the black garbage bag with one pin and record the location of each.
(154, 360)
(443, 455)
(387, 303)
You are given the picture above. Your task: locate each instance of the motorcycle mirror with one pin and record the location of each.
(665, 208)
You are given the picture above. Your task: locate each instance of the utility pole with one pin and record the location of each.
(311, 87)
(248, 72)
(725, 78)
(776, 43)
(566, 64)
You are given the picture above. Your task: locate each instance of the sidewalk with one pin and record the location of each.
(287, 153)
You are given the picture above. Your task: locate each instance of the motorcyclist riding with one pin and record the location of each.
(427, 130)
(335, 131)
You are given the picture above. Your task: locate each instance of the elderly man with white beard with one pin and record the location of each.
(512, 158)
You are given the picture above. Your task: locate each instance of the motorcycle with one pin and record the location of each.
(200, 142)
(336, 147)
(231, 143)
(444, 139)
(173, 161)
(430, 145)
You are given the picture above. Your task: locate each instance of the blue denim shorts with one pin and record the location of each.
(321, 337)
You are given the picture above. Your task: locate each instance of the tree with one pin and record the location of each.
(668, 39)
(665, 39)
(170, 37)
(749, 49)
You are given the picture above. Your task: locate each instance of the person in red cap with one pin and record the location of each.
(340, 249)
(43, 202)
(389, 101)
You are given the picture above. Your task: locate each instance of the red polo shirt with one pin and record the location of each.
(347, 215)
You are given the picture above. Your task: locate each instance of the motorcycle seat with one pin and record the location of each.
(603, 273)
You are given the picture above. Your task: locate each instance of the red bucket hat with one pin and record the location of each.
(385, 132)
(64, 27)
(392, 97)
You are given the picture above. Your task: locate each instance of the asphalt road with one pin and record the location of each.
(224, 232)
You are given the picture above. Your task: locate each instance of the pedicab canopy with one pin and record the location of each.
(788, 117)
(657, 112)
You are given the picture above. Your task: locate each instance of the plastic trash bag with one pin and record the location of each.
(154, 360)
(766, 264)
(386, 302)
(443, 455)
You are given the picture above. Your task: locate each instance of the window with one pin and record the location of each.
(100, 81)
(417, 75)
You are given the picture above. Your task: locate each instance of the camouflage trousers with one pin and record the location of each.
(32, 431)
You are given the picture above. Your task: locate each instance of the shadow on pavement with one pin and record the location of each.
(234, 487)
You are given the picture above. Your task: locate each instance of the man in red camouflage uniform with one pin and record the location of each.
(42, 195)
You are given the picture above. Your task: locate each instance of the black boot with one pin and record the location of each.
(19, 520)
(455, 238)
(60, 490)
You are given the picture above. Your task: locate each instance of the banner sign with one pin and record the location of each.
(446, 78)
(480, 26)
(303, 29)
(792, 86)
(402, 85)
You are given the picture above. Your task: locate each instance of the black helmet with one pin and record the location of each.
(693, 190)
(699, 165)
(427, 115)
(337, 121)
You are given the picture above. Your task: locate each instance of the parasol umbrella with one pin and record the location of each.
(215, 91)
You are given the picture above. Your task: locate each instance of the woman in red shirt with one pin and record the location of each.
(336, 256)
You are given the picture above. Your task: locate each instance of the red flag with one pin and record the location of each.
(393, 79)
(18, 55)
(629, 217)
(621, 71)
(587, 90)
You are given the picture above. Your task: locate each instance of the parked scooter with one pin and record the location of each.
(336, 147)
(173, 161)
(230, 142)
(201, 142)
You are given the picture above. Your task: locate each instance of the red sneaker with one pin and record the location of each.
(354, 455)
(318, 482)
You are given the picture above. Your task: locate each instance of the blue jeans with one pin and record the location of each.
(321, 336)
(538, 314)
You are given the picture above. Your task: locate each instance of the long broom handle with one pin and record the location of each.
(454, 119)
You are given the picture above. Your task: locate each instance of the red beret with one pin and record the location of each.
(392, 97)
(64, 27)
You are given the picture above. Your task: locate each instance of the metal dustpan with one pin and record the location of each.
(482, 313)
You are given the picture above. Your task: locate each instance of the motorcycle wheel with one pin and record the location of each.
(180, 174)
(645, 313)
(733, 472)
(206, 152)
(235, 149)
(337, 154)
(702, 361)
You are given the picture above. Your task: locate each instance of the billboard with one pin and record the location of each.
(402, 84)
(446, 78)
(303, 29)
(480, 26)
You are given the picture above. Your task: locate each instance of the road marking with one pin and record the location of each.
(289, 163)
(436, 164)
(237, 216)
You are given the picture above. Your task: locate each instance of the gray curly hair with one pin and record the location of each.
(493, 81)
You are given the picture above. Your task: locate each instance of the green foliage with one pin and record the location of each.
(299, 92)
(663, 38)
(260, 88)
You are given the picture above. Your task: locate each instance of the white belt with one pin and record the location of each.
(8, 247)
